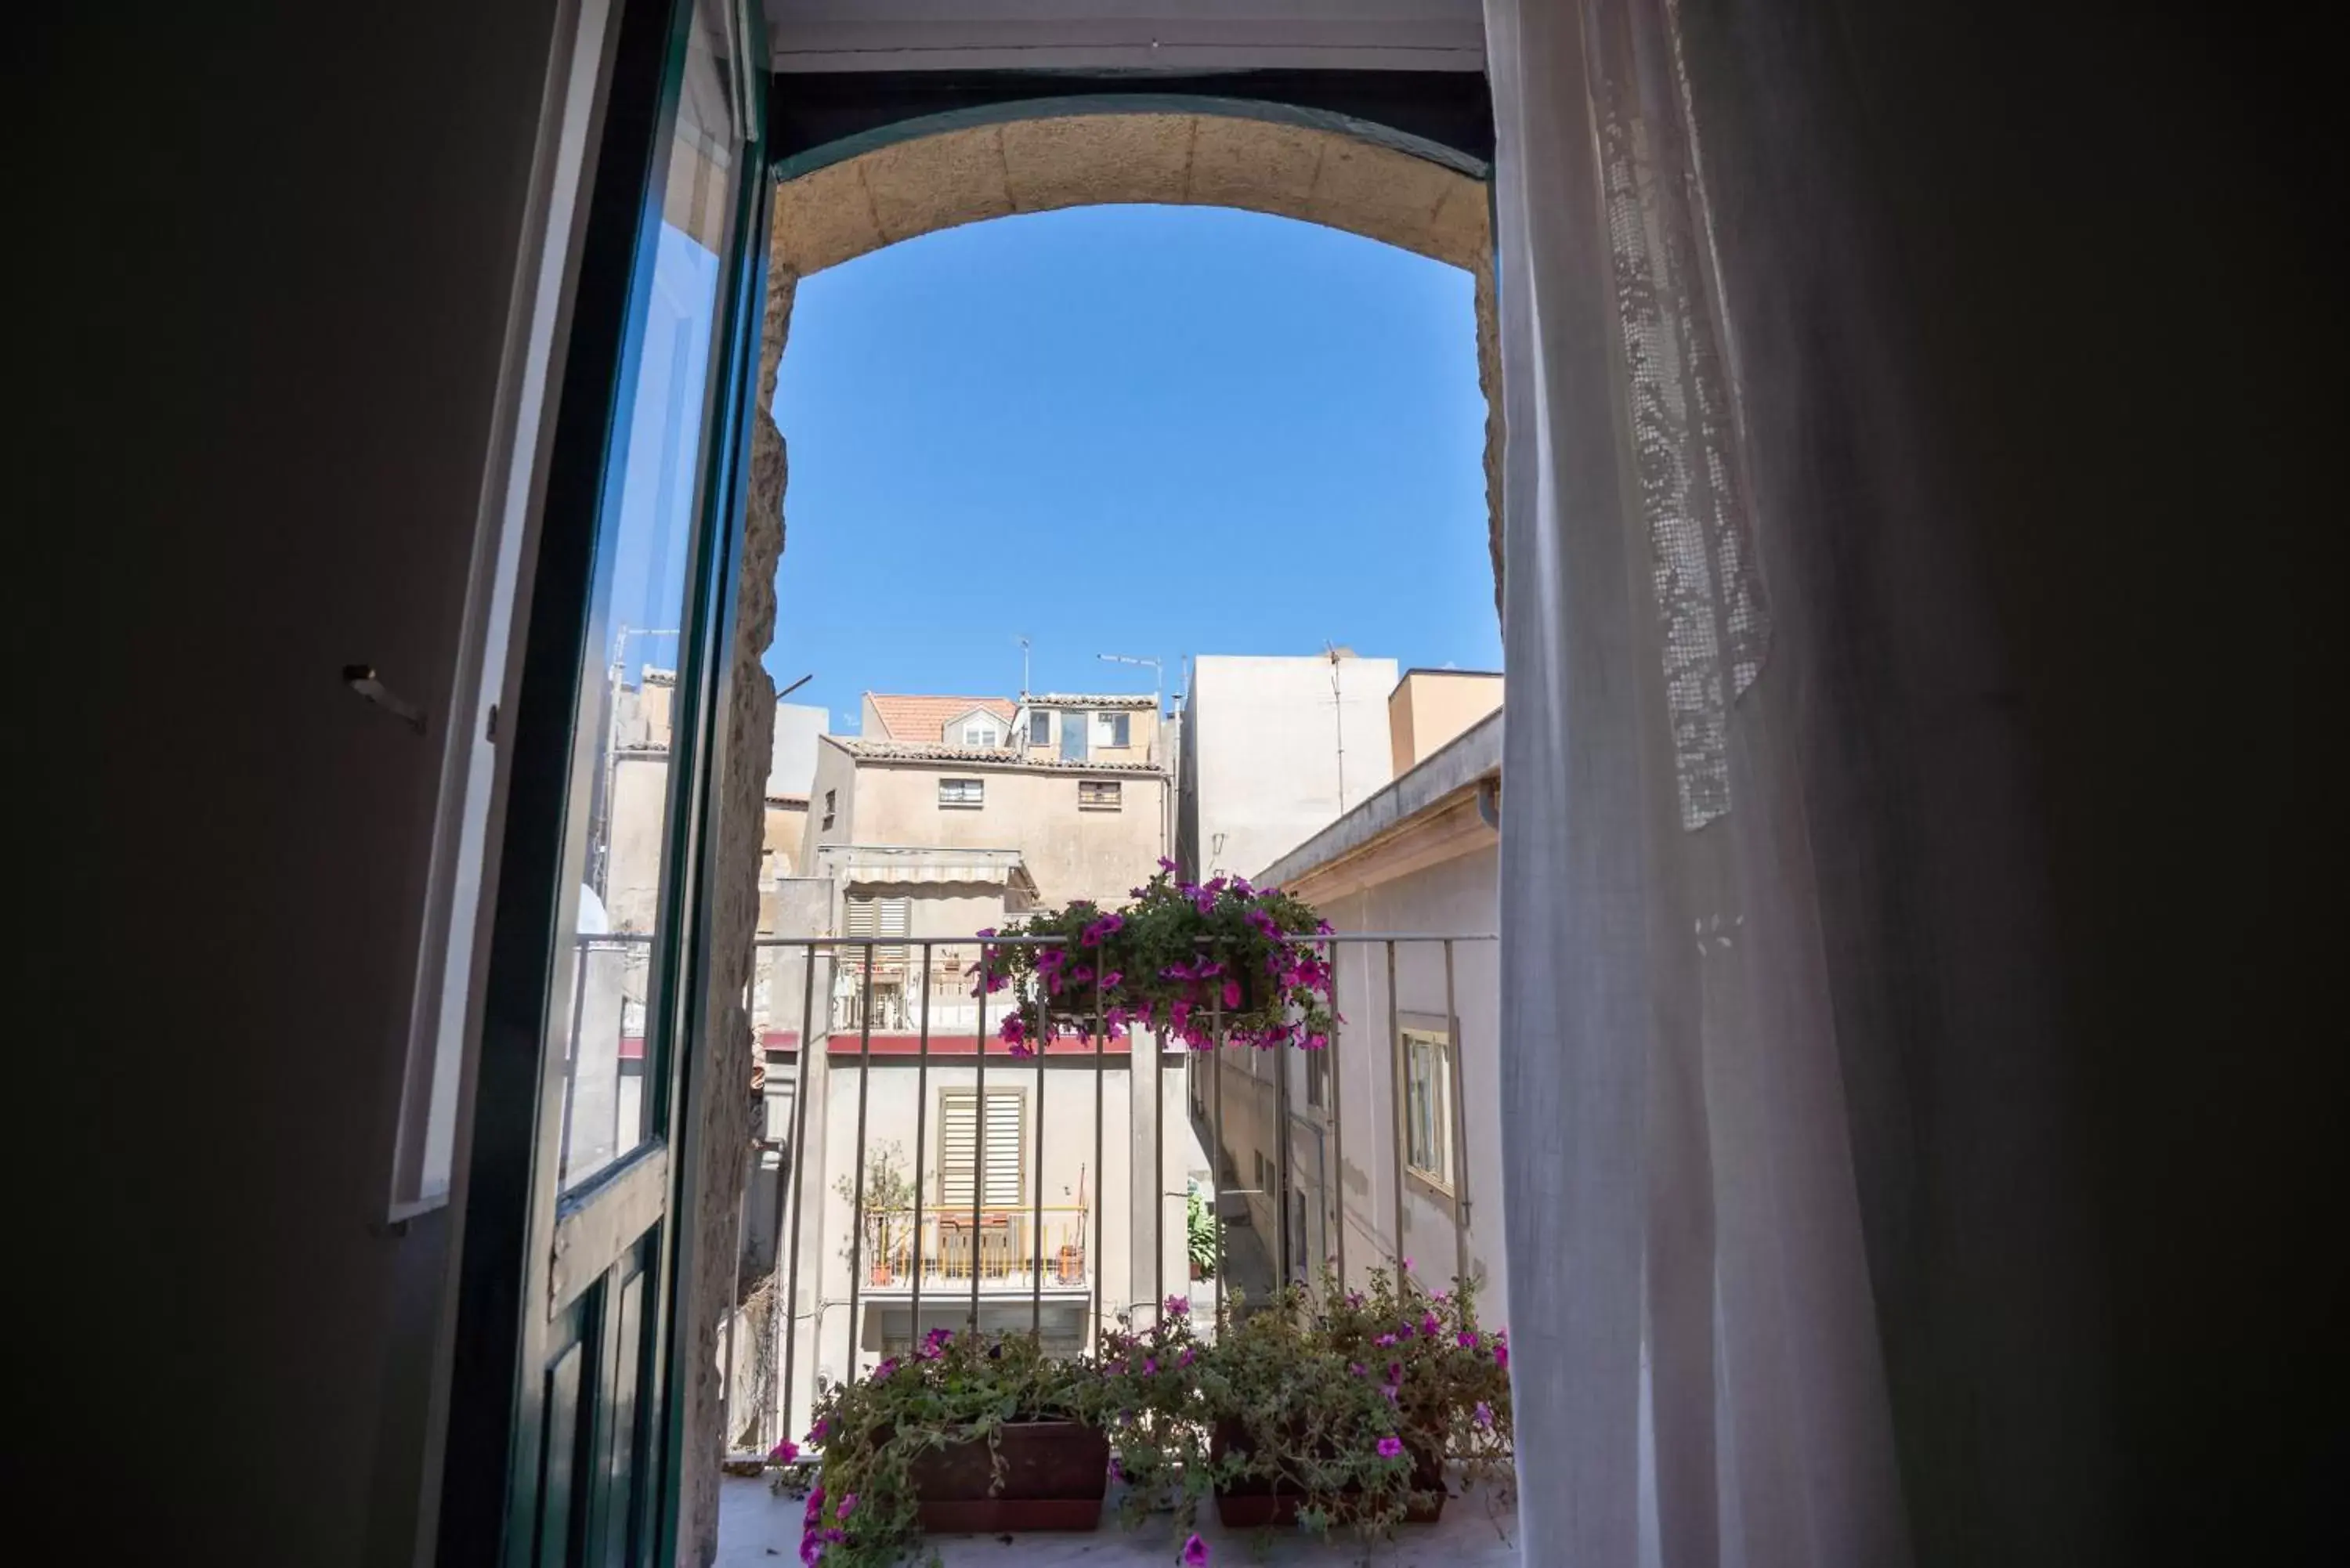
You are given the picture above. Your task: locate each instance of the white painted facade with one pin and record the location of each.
(1276, 749)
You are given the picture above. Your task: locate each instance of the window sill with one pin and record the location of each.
(1428, 1183)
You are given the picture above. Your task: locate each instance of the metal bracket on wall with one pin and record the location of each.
(362, 678)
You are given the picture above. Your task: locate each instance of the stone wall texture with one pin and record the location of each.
(917, 187)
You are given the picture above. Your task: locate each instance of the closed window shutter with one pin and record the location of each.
(958, 1147)
(872, 916)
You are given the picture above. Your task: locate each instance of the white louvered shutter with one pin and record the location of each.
(959, 1147)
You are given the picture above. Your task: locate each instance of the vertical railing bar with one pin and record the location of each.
(856, 1209)
(1279, 1056)
(571, 1055)
(1158, 1068)
(1036, 1199)
(1460, 1128)
(1092, 1242)
(1216, 1159)
(798, 1170)
(1337, 1124)
(978, 1132)
(922, 1130)
(1396, 1076)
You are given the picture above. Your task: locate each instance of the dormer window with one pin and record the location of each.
(978, 730)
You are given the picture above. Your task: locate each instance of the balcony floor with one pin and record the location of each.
(757, 1529)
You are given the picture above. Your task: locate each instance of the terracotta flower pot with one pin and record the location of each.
(1252, 1503)
(1054, 1476)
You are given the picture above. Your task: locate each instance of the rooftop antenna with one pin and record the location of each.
(1338, 716)
(1024, 669)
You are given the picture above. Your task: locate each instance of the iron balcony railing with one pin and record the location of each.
(878, 1209)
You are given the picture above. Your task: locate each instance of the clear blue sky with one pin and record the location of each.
(1149, 431)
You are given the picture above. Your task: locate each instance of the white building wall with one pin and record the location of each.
(1455, 895)
(791, 767)
(1281, 748)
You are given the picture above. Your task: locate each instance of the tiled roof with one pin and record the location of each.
(925, 718)
(979, 757)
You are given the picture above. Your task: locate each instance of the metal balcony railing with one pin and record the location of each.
(1011, 1248)
(914, 1173)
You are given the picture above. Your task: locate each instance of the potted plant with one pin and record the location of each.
(1299, 1435)
(972, 1433)
(1148, 1396)
(1198, 1233)
(1206, 963)
(884, 1216)
(1446, 1374)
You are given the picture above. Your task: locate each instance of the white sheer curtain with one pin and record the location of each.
(1699, 1377)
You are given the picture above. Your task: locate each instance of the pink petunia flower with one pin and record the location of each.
(783, 1453)
(1484, 1413)
(1195, 1553)
(1467, 1340)
(1390, 1447)
(1176, 1306)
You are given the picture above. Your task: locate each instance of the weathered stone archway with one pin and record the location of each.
(859, 204)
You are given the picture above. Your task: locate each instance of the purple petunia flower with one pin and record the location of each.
(848, 1505)
(1195, 1553)
(811, 1549)
(1467, 1340)
(886, 1368)
(1390, 1447)
(1431, 1326)
(1501, 1356)
(1384, 1341)
(815, 1507)
(1484, 1416)
(1176, 1306)
(783, 1453)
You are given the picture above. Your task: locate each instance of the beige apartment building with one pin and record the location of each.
(1076, 785)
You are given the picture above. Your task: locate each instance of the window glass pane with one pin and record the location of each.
(650, 522)
(1073, 736)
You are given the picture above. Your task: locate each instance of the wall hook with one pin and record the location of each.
(362, 678)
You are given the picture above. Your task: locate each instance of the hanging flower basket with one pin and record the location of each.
(1209, 964)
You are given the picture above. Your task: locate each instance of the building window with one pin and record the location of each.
(872, 916)
(1073, 730)
(1317, 1079)
(1099, 794)
(1428, 1105)
(962, 1153)
(962, 794)
(1040, 727)
(1113, 728)
(981, 733)
(828, 796)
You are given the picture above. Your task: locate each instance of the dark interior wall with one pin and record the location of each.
(274, 249)
(2034, 321)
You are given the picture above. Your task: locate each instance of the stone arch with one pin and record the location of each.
(1045, 158)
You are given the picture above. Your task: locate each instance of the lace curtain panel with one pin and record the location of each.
(1698, 1374)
